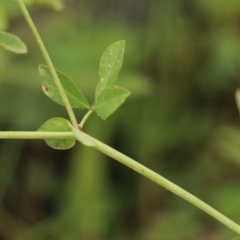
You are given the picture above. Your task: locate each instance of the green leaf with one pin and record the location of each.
(237, 238)
(109, 100)
(83, 137)
(58, 125)
(74, 95)
(110, 65)
(109, 97)
(12, 43)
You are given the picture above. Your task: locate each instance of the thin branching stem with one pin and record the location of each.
(88, 140)
(134, 165)
(49, 62)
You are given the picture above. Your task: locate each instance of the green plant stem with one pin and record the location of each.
(137, 167)
(85, 118)
(36, 135)
(49, 62)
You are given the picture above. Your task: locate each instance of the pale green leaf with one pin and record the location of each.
(12, 43)
(83, 137)
(110, 65)
(109, 100)
(58, 125)
(74, 95)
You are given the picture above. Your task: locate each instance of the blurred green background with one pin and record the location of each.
(182, 65)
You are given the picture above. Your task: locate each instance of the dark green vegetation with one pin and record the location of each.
(181, 65)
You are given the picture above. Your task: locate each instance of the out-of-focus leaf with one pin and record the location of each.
(57, 5)
(109, 100)
(237, 97)
(3, 18)
(110, 65)
(83, 138)
(58, 125)
(12, 43)
(219, 9)
(74, 95)
(237, 238)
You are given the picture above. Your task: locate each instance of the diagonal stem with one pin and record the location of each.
(137, 167)
(49, 62)
(153, 176)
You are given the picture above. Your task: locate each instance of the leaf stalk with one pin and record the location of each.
(85, 118)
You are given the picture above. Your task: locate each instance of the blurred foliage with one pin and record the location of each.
(182, 67)
(10, 8)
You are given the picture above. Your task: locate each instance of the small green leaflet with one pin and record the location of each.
(12, 43)
(108, 96)
(58, 125)
(83, 137)
(74, 95)
(109, 100)
(110, 65)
